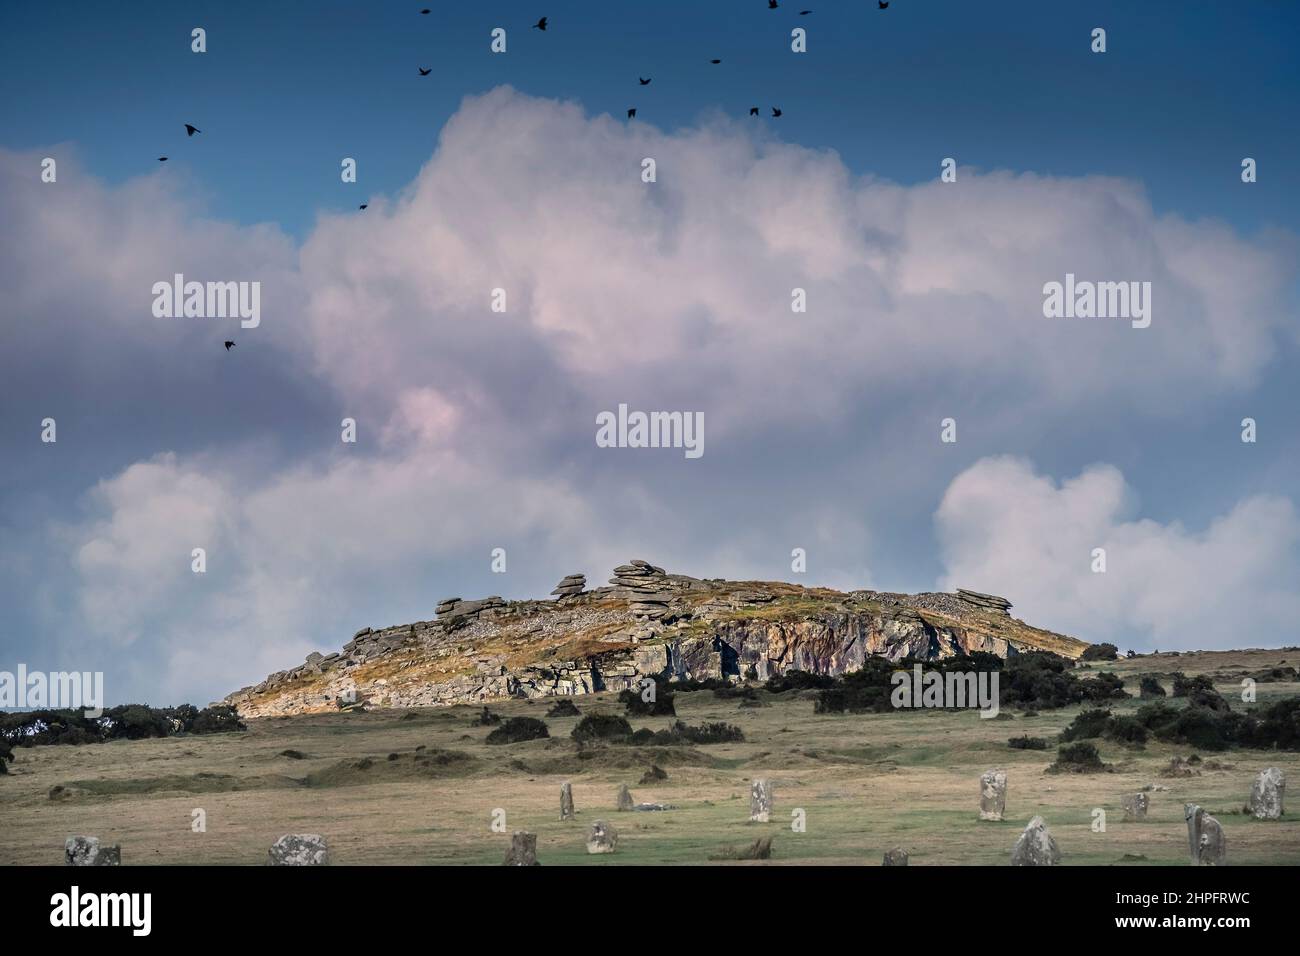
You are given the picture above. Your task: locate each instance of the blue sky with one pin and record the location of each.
(520, 170)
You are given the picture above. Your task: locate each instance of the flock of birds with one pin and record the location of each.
(542, 25)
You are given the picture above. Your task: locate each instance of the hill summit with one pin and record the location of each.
(644, 623)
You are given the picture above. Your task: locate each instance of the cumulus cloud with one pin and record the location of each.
(476, 429)
(1006, 529)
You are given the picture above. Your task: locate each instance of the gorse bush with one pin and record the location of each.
(680, 733)
(518, 729)
(1081, 757)
(1149, 686)
(610, 727)
(798, 680)
(563, 708)
(660, 705)
(1027, 743)
(1100, 652)
(34, 728)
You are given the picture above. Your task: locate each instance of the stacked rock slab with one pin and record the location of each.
(1204, 837)
(603, 838)
(1035, 847)
(88, 851)
(1135, 807)
(985, 602)
(523, 849)
(645, 585)
(299, 849)
(1266, 794)
(760, 801)
(454, 613)
(993, 794)
(570, 586)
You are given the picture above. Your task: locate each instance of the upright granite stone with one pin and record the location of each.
(566, 801)
(88, 851)
(1035, 846)
(760, 801)
(1135, 807)
(1266, 794)
(1204, 837)
(523, 849)
(602, 838)
(299, 849)
(625, 798)
(993, 794)
(895, 857)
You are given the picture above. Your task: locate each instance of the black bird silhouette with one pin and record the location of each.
(804, 13)
(540, 25)
(424, 11)
(882, 3)
(771, 4)
(229, 346)
(423, 71)
(644, 81)
(191, 130)
(162, 159)
(363, 205)
(631, 114)
(753, 111)
(715, 62)
(775, 112)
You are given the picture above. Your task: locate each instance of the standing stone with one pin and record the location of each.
(895, 857)
(566, 801)
(760, 801)
(602, 838)
(523, 849)
(993, 794)
(88, 851)
(1204, 837)
(1266, 794)
(300, 849)
(1135, 807)
(625, 798)
(1035, 846)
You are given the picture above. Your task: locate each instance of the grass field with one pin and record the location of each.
(865, 784)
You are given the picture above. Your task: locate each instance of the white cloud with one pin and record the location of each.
(1005, 529)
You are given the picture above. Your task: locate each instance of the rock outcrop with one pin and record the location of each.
(645, 623)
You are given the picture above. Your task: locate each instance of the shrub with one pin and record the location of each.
(602, 727)
(1184, 685)
(1089, 724)
(1149, 686)
(1100, 652)
(798, 680)
(1027, 743)
(6, 755)
(1079, 757)
(518, 729)
(215, 720)
(487, 718)
(661, 705)
(714, 733)
(563, 708)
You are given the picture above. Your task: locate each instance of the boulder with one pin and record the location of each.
(1135, 807)
(993, 794)
(566, 801)
(88, 851)
(1035, 847)
(895, 857)
(602, 838)
(760, 801)
(1204, 837)
(523, 849)
(1266, 795)
(299, 849)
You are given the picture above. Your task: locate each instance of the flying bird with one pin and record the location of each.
(775, 112)
(229, 346)
(162, 159)
(882, 4)
(771, 4)
(363, 205)
(540, 25)
(191, 130)
(631, 114)
(715, 62)
(804, 13)
(424, 11)
(753, 111)
(423, 71)
(644, 81)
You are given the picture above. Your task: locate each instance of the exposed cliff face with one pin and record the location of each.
(646, 624)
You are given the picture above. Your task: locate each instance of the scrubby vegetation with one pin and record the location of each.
(563, 708)
(35, 728)
(6, 755)
(798, 680)
(1149, 686)
(1027, 742)
(660, 703)
(680, 733)
(609, 727)
(518, 729)
(487, 718)
(1206, 723)
(1100, 652)
(1079, 757)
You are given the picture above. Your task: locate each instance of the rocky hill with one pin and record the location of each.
(644, 623)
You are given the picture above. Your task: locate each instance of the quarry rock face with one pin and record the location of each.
(993, 794)
(1205, 837)
(88, 851)
(1035, 847)
(299, 849)
(1266, 794)
(646, 623)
